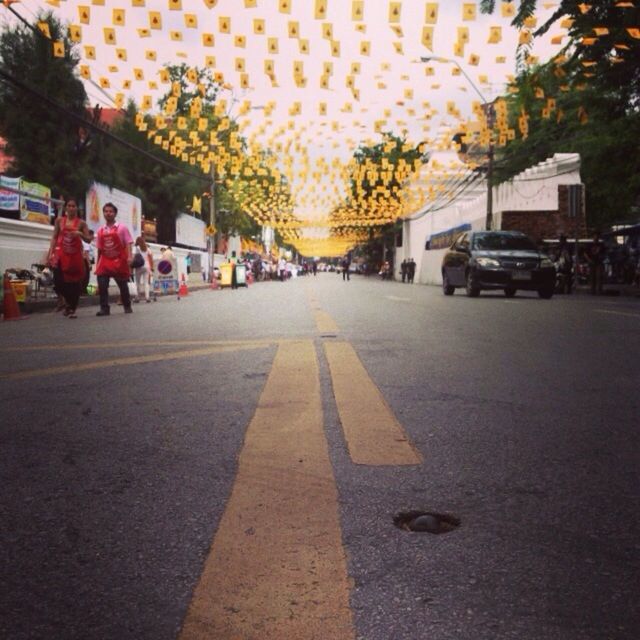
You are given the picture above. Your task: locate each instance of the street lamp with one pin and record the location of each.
(488, 109)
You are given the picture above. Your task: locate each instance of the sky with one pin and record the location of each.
(338, 78)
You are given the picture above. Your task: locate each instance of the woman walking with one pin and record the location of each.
(66, 255)
(143, 268)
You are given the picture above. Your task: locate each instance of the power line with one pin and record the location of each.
(94, 127)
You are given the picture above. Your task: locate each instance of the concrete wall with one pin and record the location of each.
(534, 201)
(25, 243)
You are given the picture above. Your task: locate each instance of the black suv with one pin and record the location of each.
(507, 260)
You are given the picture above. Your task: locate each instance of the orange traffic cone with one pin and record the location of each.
(183, 290)
(10, 308)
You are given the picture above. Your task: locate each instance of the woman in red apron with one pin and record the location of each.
(65, 254)
(114, 244)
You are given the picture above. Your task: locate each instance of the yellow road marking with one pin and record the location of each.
(373, 434)
(324, 322)
(115, 362)
(276, 569)
(619, 313)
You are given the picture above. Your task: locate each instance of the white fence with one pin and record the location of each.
(23, 244)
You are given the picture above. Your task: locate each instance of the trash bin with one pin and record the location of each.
(226, 271)
(241, 275)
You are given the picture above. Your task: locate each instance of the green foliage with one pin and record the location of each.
(596, 84)
(392, 150)
(194, 84)
(47, 144)
(607, 141)
(164, 191)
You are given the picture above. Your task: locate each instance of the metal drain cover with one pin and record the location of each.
(426, 521)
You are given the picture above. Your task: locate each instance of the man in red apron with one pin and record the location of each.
(114, 244)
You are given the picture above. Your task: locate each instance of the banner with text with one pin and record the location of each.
(129, 208)
(9, 198)
(36, 206)
(191, 231)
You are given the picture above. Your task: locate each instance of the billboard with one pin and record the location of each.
(129, 208)
(191, 232)
(35, 207)
(9, 198)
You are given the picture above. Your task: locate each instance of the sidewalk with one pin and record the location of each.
(42, 305)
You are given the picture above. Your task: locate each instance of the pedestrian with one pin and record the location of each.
(114, 244)
(86, 256)
(565, 265)
(187, 261)
(403, 270)
(282, 269)
(314, 267)
(142, 264)
(346, 263)
(411, 270)
(233, 261)
(66, 256)
(595, 257)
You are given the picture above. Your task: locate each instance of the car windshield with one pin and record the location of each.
(502, 242)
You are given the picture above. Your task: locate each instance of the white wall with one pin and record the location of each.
(23, 243)
(535, 189)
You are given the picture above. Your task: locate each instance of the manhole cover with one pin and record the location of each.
(426, 521)
(328, 335)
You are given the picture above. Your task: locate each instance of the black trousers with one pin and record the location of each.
(58, 281)
(71, 294)
(103, 288)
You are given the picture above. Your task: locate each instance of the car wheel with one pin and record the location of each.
(510, 292)
(546, 293)
(473, 290)
(446, 287)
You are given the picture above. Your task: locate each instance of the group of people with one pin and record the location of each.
(408, 270)
(594, 256)
(116, 258)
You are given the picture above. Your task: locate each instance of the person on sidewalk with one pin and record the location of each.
(403, 270)
(411, 270)
(142, 264)
(595, 257)
(66, 255)
(565, 265)
(346, 264)
(114, 245)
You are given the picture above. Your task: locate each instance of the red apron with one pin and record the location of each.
(69, 251)
(114, 258)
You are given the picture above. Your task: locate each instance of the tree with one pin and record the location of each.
(593, 86)
(48, 144)
(375, 204)
(159, 180)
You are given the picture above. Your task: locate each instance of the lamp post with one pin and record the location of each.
(488, 109)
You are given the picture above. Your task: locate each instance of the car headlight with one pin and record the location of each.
(487, 262)
(545, 263)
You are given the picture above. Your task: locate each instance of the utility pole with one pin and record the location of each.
(212, 222)
(489, 113)
(490, 117)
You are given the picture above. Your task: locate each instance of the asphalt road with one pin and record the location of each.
(130, 443)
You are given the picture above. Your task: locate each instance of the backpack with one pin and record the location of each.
(138, 260)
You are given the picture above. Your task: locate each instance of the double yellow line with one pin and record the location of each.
(277, 568)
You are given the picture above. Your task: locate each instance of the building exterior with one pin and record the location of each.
(536, 201)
